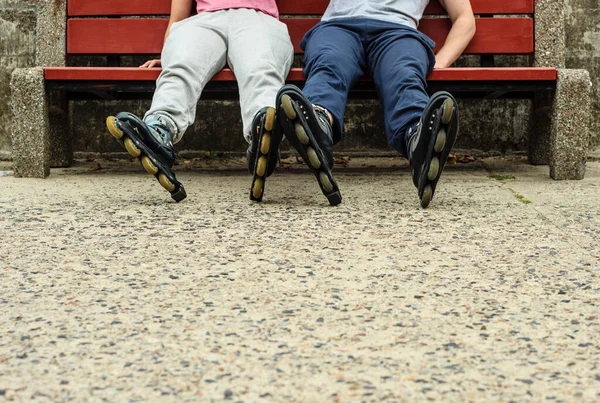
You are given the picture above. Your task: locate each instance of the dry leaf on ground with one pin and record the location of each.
(344, 161)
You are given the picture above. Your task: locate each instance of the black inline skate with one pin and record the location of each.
(308, 129)
(429, 143)
(263, 151)
(152, 145)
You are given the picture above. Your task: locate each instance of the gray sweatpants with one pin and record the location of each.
(257, 47)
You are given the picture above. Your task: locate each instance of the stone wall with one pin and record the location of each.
(17, 49)
(583, 52)
(504, 126)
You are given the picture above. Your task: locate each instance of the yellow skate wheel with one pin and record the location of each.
(434, 168)
(265, 144)
(448, 110)
(149, 165)
(288, 107)
(325, 182)
(111, 123)
(313, 160)
(440, 141)
(261, 166)
(270, 119)
(166, 183)
(427, 195)
(257, 188)
(131, 147)
(301, 133)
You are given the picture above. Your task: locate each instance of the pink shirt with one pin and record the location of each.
(266, 6)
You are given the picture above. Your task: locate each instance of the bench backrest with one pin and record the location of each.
(130, 27)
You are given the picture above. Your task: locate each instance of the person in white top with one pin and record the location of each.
(380, 38)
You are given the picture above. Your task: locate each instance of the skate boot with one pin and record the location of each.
(152, 145)
(263, 151)
(429, 143)
(308, 129)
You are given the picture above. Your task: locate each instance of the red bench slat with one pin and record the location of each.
(450, 74)
(80, 8)
(489, 7)
(494, 74)
(145, 36)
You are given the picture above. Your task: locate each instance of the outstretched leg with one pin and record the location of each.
(419, 128)
(194, 51)
(260, 54)
(312, 119)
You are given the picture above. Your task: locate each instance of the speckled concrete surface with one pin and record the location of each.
(51, 51)
(492, 294)
(570, 134)
(30, 125)
(550, 40)
(50, 33)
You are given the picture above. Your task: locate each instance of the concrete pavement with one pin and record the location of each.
(110, 291)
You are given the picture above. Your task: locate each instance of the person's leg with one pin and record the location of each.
(334, 60)
(400, 61)
(260, 54)
(421, 128)
(194, 52)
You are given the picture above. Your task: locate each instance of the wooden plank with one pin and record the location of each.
(434, 7)
(145, 36)
(115, 74)
(493, 36)
(489, 7)
(494, 74)
(297, 27)
(449, 74)
(115, 36)
(80, 8)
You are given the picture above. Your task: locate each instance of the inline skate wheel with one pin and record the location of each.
(131, 147)
(448, 110)
(440, 141)
(111, 123)
(313, 159)
(166, 183)
(261, 166)
(149, 165)
(288, 107)
(257, 188)
(434, 167)
(270, 119)
(301, 134)
(427, 195)
(325, 182)
(265, 144)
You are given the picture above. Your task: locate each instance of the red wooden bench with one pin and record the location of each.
(114, 28)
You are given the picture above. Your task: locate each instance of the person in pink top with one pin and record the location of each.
(246, 36)
(266, 6)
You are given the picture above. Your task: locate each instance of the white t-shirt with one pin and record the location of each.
(405, 12)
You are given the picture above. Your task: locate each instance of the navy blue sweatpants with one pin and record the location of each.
(399, 58)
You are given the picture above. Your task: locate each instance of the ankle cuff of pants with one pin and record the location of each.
(398, 143)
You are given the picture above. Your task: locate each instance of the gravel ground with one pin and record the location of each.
(110, 291)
